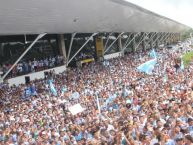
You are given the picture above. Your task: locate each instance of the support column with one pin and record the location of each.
(157, 42)
(129, 42)
(170, 39)
(1, 56)
(144, 42)
(147, 41)
(120, 46)
(133, 43)
(165, 40)
(1, 49)
(106, 50)
(151, 43)
(62, 47)
(99, 47)
(81, 47)
(178, 36)
(174, 38)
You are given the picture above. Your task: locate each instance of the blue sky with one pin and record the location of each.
(179, 10)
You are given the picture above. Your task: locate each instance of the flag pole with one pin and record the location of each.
(99, 108)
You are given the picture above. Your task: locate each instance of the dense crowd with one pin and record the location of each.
(25, 67)
(146, 109)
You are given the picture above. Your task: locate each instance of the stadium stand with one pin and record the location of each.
(128, 90)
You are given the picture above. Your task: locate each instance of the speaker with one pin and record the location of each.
(27, 80)
(46, 74)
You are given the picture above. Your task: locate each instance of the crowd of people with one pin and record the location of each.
(145, 109)
(25, 67)
(83, 56)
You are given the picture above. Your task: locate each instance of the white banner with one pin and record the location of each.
(75, 109)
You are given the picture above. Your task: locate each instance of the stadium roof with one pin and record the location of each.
(81, 16)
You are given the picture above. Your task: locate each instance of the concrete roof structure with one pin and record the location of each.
(81, 16)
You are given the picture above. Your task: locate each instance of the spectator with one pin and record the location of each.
(33, 66)
(122, 105)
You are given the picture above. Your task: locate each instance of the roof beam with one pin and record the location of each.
(150, 39)
(127, 39)
(24, 53)
(69, 51)
(130, 41)
(106, 50)
(142, 38)
(108, 40)
(81, 47)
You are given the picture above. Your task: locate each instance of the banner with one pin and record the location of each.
(75, 109)
(87, 60)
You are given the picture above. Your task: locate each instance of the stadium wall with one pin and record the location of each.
(37, 75)
(40, 75)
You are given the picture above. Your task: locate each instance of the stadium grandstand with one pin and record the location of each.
(92, 72)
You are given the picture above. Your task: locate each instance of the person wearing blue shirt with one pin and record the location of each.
(79, 136)
(190, 123)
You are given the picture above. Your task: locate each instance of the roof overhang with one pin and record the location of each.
(86, 16)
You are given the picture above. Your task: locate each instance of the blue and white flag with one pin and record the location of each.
(153, 54)
(64, 89)
(75, 96)
(165, 78)
(52, 88)
(182, 64)
(147, 67)
(109, 100)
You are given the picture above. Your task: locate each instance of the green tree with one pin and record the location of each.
(186, 34)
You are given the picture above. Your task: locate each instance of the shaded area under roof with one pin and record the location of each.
(81, 16)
